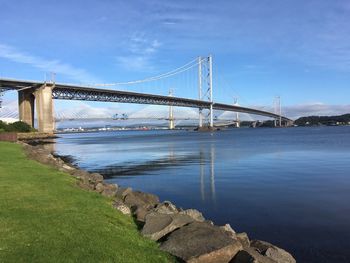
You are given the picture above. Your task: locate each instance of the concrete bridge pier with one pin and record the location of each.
(44, 108)
(26, 106)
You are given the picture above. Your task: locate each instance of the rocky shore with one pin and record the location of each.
(186, 234)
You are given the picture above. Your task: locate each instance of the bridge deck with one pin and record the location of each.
(89, 93)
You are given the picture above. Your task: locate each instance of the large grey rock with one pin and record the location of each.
(201, 242)
(80, 173)
(140, 213)
(158, 224)
(250, 255)
(123, 192)
(166, 207)
(88, 180)
(136, 198)
(229, 231)
(195, 214)
(110, 190)
(275, 253)
(96, 178)
(243, 238)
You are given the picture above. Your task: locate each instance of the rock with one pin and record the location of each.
(85, 185)
(119, 205)
(277, 254)
(141, 212)
(110, 190)
(166, 208)
(80, 173)
(96, 178)
(195, 214)
(85, 181)
(201, 242)
(158, 225)
(229, 231)
(250, 255)
(135, 199)
(243, 238)
(88, 180)
(67, 168)
(123, 192)
(99, 188)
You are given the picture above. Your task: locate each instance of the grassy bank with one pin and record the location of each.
(44, 217)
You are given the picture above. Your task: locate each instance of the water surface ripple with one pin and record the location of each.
(289, 186)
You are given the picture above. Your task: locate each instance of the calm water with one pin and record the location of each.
(289, 186)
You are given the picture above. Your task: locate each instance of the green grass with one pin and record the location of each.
(45, 217)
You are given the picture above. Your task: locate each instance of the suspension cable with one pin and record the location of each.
(183, 68)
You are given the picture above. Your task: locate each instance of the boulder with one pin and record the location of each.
(243, 238)
(195, 214)
(99, 187)
(110, 190)
(158, 224)
(141, 212)
(229, 231)
(250, 255)
(136, 198)
(123, 192)
(96, 178)
(88, 180)
(66, 168)
(201, 242)
(80, 173)
(119, 205)
(85, 185)
(166, 207)
(277, 254)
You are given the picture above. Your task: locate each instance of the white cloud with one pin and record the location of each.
(318, 109)
(46, 65)
(140, 53)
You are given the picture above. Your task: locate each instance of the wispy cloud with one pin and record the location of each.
(75, 74)
(139, 54)
(310, 109)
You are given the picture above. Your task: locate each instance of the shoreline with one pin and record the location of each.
(167, 224)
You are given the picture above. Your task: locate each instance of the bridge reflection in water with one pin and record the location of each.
(204, 159)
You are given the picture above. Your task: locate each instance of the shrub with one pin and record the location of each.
(18, 126)
(3, 126)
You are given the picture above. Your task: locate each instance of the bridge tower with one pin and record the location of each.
(278, 110)
(205, 82)
(171, 114)
(238, 123)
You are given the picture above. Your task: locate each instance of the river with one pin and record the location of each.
(288, 186)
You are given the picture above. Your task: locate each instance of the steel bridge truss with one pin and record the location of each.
(124, 97)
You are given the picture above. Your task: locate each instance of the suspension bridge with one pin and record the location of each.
(40, 95)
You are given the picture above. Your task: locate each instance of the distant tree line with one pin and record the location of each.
(18, 126)
(323, 120)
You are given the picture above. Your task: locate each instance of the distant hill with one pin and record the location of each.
(323, 120)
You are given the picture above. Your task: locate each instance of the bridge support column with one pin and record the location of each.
(211, 122)
(26, 106)
(44, 108)
(171, 118)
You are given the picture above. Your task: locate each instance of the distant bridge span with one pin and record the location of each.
(44, 92)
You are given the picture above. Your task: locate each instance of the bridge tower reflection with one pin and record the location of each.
(202, 172)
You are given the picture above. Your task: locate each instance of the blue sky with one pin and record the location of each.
(296, 49)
